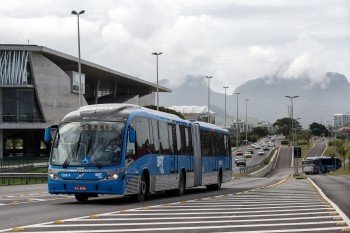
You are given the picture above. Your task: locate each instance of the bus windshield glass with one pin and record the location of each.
(87, 144)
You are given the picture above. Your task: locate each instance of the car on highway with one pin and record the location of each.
(239, 152)
(251, 150)
(238, 157)
(247, 154)
(257, 146)
(266, 148)
(261, 152)
(271, 145)
(241, 162)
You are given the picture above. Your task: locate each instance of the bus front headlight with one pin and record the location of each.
(53, 176)
(115, 176)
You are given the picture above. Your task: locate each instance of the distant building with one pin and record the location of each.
(241, 126)
(341, 120)
(268, 125)
(195, 113)
(38, 86)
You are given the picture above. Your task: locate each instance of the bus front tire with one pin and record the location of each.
(81, 197)
(141, 196)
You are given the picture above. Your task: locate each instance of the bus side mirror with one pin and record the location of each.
(132, 135)
(49, 133)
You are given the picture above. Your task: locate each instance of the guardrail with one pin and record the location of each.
(22, 178)
(252, 167)
(266, 169)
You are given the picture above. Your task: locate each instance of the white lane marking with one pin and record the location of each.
(94, 224)
(193, 227)
(254, 201)
(232, 212)
(192, 208)
(203, 217)
(210, 213)
(1, 204)
(291, 230)
(341, 213)
(266, 206)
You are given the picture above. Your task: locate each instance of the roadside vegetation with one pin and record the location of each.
(340, 149)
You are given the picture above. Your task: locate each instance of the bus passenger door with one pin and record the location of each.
(173, 146)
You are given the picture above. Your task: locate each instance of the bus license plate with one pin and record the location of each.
(80, 188)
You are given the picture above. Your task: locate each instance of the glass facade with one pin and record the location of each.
(20, 105)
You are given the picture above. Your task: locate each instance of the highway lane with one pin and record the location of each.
(288, 206)
(255, 159)
(245, 195)
(336, 188)
(21, 214)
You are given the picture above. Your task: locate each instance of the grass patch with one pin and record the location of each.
(341, 171)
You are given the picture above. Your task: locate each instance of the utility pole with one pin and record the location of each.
(157, 54)
(237, 130)
(246, 123)
(225, 105)
(208, 77)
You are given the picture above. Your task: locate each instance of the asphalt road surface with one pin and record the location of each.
(271, 204)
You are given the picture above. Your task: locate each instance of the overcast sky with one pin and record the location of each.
(234, 41)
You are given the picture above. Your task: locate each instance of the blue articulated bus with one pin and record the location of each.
(126, 149)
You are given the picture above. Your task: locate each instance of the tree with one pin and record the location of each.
(167, 110)
(305, 135)
(318, 129)
(342, 149)
(284, 125)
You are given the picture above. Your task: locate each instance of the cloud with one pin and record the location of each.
(234, 41)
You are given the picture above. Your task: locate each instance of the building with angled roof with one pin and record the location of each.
(195, 113)
(38, 86)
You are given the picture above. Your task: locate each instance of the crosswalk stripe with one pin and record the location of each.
(188, 228)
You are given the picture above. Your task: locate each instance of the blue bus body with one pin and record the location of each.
(320, 164)
(156, 152)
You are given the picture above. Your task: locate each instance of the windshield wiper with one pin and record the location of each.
(66, 163)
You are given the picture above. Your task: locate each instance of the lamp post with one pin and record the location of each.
(292, 109)
(157, 54)
(225, 104)
(246, 123)
(209, 77)
(79, 60)
(237, 134)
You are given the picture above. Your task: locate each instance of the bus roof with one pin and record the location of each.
(209, 126)
(112, 112)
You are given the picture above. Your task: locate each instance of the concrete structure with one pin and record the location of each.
(195, 113)
(341, 120)
(38, 86)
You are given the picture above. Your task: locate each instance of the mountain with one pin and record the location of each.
(267, 101)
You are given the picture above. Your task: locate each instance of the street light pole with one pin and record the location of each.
(79, 60)
(246, 123)
(225, 104)
(157, 54)
(237, 134)
(292, 110)
(209, 77)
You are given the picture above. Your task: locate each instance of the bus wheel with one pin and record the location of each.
(81, 197)
(143, 189)
(182, 185)
(216, 186)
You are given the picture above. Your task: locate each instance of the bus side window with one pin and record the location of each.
(188, 134)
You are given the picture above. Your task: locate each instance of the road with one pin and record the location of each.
(336, 188)
(255, 159)
(271, 204)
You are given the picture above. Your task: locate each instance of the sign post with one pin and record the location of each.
(297, 156)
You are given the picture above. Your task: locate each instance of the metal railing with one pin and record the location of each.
(22, 178)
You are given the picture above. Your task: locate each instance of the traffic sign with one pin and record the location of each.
(297, 152)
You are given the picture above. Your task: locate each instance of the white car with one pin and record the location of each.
(247, 154)
(261, 152)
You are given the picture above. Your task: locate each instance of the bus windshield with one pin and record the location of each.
(87, 144)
